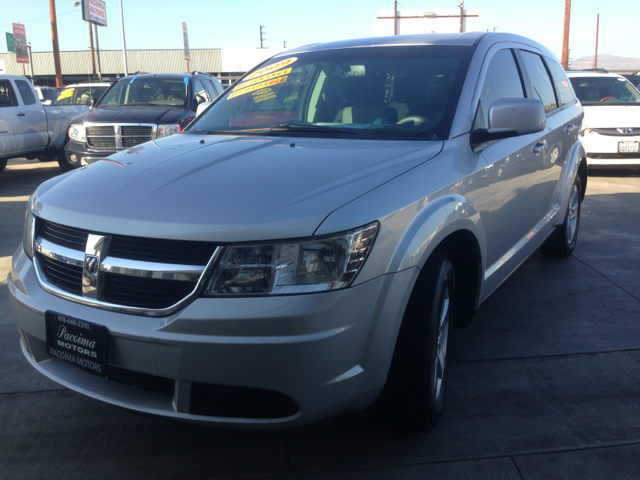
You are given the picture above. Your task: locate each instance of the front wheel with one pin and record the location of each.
(563, 242)
(3, 164)
(420, 367)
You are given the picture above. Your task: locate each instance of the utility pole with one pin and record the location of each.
(124, 44)
(30, 62)
(565, 40)
(54, 39)
(395, 18)
(261, 38)
(98, 51)
(595, 60)
(93, 58)
(461, 14)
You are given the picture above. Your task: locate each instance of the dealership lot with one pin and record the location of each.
(544, 384)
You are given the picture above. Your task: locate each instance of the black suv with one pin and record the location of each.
(134, 110)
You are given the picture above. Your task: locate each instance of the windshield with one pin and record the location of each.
(79, 95)
(377, 92)
(605, 91)
(148, 91)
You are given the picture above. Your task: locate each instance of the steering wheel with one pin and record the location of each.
(416, 120)
(607, 98)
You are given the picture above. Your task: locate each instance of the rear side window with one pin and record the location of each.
(502, 80)
(563, 87)
(25, 92)
(541, 85)
(201, 93)
(6, 89)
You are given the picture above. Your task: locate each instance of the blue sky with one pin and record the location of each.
(236, 23)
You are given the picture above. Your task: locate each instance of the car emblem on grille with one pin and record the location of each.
(625, 130)
(91, 264)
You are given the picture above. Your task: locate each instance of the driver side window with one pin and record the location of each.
(502, 80)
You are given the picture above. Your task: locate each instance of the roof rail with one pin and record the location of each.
(139, 72)
(196, 72)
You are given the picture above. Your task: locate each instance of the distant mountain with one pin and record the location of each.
(608, 62)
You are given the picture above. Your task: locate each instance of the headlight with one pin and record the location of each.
(312, 265)
(76, 133)
(29, 229)
(166, 130)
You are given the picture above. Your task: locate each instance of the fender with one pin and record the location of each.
(567, 177)
(435, 222)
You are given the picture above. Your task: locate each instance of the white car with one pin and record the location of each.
(611, 127)
(310, 238)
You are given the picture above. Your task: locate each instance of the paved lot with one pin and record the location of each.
(544, 384)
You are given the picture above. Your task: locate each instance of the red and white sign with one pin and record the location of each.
(187, 56)
(94, 11)
(20, 38)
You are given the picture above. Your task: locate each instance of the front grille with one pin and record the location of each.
(143, 381)
(101, 142)
(239, 402)
(62, 275)
(614, 156)
(69, 237)
(106, 130)
(118, 136)
(137, 287)
(144, 292)
(160, 250)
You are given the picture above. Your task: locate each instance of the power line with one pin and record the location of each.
(37, 19)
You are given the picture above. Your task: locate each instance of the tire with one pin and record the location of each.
(563, 242)
(419, 371)
(65, 165)
(3, 163)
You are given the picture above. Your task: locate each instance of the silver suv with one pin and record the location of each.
(312, 237)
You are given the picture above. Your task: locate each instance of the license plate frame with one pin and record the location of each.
(628, 147)
(78, 342)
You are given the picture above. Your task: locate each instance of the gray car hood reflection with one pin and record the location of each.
(225, 189)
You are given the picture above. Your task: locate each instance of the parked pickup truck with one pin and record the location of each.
(33, 130)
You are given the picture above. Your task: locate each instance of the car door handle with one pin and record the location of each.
(21, 114)
(570, 128)
(539, 147)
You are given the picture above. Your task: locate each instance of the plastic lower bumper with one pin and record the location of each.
(247, 362)
(78, 154)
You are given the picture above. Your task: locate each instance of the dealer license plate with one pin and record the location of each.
(81, 343)
(628, 147)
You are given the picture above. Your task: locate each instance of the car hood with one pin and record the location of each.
(614, 116)
(225, 189)
(138, 114)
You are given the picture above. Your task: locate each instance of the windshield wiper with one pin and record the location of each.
(139, 103)
(308, 127)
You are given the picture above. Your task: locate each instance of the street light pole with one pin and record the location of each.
(98, 52)
(30, 61)
(124, 44)
(93, 58)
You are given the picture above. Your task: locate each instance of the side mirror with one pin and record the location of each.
(91, 101)
(4, 99)
(512, 117)
(202, 107)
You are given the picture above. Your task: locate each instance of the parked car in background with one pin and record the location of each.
(279, 264)
(634, 78)
(47, 94)
(79, 93)
(611, 127)
(29, 128)
(137, 109)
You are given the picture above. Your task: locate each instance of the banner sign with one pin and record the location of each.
(11, 44)
(20, 40)
(94, 11)
(187, 56)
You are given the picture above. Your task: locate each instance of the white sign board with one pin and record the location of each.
(94, 11)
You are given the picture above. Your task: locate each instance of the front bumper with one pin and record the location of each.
(320, 354)
(602, 151)
(80, 155)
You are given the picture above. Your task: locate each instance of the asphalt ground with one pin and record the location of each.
(544, 384)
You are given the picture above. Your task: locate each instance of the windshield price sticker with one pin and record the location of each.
(277, 74)
(271, 68)
(75, 341)
(258, 86)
